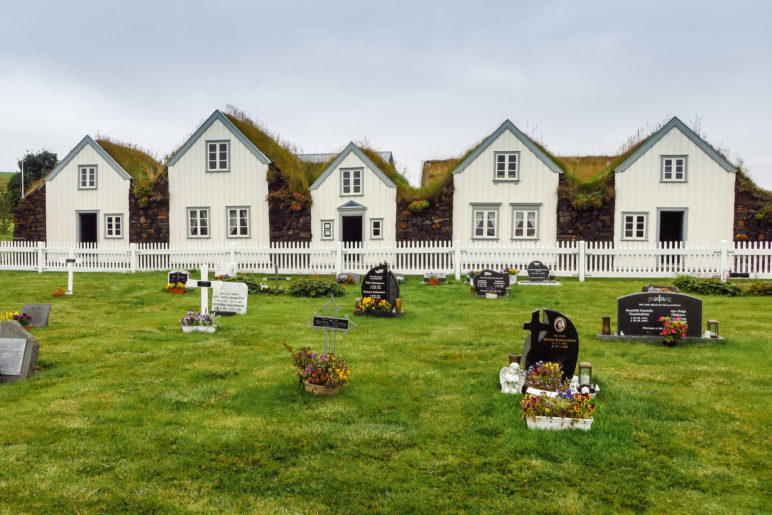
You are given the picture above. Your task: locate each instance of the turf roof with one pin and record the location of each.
(142, 167)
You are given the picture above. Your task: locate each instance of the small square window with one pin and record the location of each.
(507, 166)
(87, 177)
(238, 222)
(198, 222)
(634, 226)
(327, 230)
(113, 226)
(376, 228)
(673, 168)
(217, 156)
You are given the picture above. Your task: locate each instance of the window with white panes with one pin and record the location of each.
(238, 222)
(376, 228)
(217, 156)
(351, 181)
(674, 168)
(525, 223)
(485, 223)
(507, 166)
(87, 177)
(634, 226)
(198, 222)
(113, 226)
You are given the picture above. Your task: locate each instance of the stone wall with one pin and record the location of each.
(29, 217)
(434, 223)
(589, 225)
(149, 214)
(748, 200)
(286, 223)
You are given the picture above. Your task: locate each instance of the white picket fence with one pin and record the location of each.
(565, 259)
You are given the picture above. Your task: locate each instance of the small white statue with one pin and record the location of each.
(512, 379)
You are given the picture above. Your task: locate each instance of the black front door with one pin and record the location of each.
(87, 224)
(352, 228)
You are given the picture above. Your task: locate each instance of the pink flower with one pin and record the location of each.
(664, 332)
(678, 318)
(683, 335)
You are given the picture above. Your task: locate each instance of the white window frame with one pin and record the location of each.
(348, 179)
(199, 211)
(238, 212)
(635, 219)
(523, 211)
(376, 224)
(113, 225)
(669, 165)
(220, 164)
(485, 213)
(509, 157)
(328, 230)
(84, 181)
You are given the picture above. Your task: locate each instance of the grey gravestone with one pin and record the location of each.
(230, 297)
(379, 283)
(18, 352)
(638, 313)
(441, 277)
(538, 271)
(39, 314)
(554, 340)
(487, 279)
(178, 276)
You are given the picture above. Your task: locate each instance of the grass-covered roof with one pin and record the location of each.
(142, 167)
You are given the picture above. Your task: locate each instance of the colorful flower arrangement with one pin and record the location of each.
(345, 279)
(8, 315)
(175, 286)
(565, 405)
(323, 369)
(23, 318)
(199, 319)
(58, 292)
(511, 270)
(673, 330)
(370, 304)
(546, 376)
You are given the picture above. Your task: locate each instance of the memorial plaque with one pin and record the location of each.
(39, 314)
(538, 271)
(12, 355)
(488, 278)
(439, 276)
(178, 276)
(638, 313)
(230, 297)
(658, 288)
(554, 339)
(379, 283)
(340, 324)
(18, 352)
(204, 284)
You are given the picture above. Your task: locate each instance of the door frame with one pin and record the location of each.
(95, 212)
(684, 221)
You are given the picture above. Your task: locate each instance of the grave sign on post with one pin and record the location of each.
(70, 261)
(329, 322)
(204, 284)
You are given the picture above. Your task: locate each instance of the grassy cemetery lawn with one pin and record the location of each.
(127, 413)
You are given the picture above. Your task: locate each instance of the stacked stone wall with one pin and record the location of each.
(434, 223)
(149, 214)
(285, 223)
(589, 225)
(29, 217)
(749, 200)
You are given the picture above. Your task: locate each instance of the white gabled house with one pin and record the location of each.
(674, 188)
(217, 188)
(505, 191)
(87, 198)
(353, 201)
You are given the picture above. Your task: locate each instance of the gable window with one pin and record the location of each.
(634, 226)
(673, 168)
(507, 166)
(217, 156)
(198, 222)
(376, 228)
(327, 230)
(525, 222)
(351, 181)
(485, 221)
(87, 177)
(113, 226)
(238, 222)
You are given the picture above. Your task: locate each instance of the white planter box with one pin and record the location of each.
(491, 296)
(512, 279)
(199, 328)
(557, 423)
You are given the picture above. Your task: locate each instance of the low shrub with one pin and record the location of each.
(587, 201)
(761, 288)
(706, 286)
(315, 288)
(418, 205)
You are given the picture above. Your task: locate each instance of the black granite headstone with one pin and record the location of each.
(638, 313)
(538, 271)
(178, 276)
(379, 283)
(39, 314)
(553, 340)
(487, 279)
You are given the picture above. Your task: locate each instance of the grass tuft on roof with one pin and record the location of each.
(142, 167)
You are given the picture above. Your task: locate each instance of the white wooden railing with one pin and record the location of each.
(565, 259)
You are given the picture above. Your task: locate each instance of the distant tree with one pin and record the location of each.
(35, 167)
(6, 216)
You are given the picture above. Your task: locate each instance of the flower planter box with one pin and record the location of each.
(512, 279)
(199, 328)
(176, 290)
(491, 296)
(321, 390)
(434, 282)
(557, 423)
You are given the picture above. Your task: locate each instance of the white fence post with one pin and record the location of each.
(457, 245)
(41, 256)
(581, 261)
(724, 260)
(339, 258)
(133, 258)
(233, 255)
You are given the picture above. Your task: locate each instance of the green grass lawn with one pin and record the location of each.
(127, 413)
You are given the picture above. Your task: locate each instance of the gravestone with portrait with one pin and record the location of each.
(229, 298)
(537, 271)
(380, 284)
(18, 352)
(38, 314)
(638, 313)
(489, 281)
(553, 338)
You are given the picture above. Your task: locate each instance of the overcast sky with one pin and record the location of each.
(425, 80)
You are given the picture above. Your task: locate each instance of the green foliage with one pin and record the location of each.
(142, 167)
(760, 288)
(706, 286)
(587, 201)
(418, 205)
(36, 166)
(764, 214)
(315, 288)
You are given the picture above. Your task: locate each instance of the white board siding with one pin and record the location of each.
(537, 185)
(190, 185)
(64, 200)
(379, 199)
(707, 194)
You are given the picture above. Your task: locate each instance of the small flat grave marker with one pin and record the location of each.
(638, 313)
(229, 298)
(439, 276)
(554, 339)
(490, 279)
(39, 314)
(538, 271)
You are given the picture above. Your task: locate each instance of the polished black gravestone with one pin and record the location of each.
(379, 284)
(178, 276)
(39, 314)
(487, 279)
(537, 271)
(554, 339)
(638, 313)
